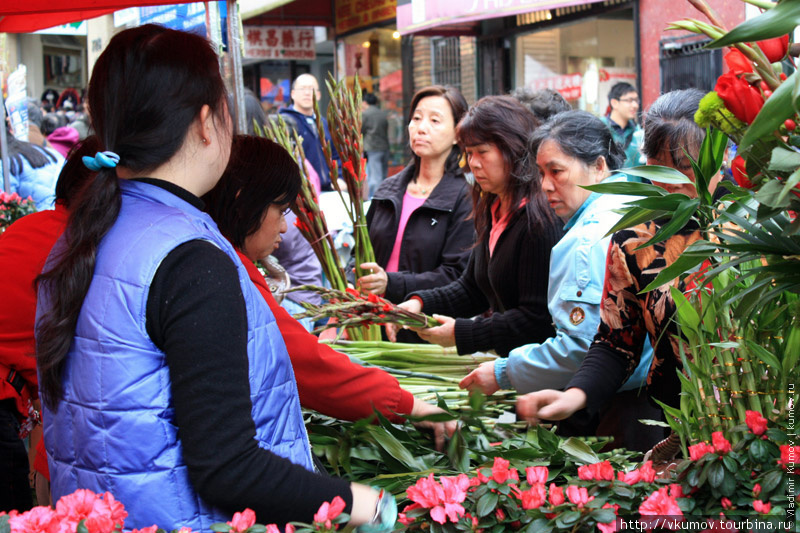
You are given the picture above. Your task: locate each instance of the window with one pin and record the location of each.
(685, 64)
(446, 61)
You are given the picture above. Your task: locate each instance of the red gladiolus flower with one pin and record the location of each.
(536, 474)
(373, 298)
(739, 171)
(788, 455)
(737, 62)
(348, 165)
(500, 472)
(762, 507)
(534, 497)
(327, 512)
(756, 422)
(721, 444)
(556, 495)
(660, 503)
(726, 503)
(741, 98)
(579, 496)
(775, 49)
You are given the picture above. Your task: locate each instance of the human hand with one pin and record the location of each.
(413, 305)
(443, 335)
(550, 404)
(376, 281)
(481, 379)
(441, 430)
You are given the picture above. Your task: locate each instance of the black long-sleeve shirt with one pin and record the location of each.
(196, 315)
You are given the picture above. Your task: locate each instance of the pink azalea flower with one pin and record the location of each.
(499, 514)
(405, 520)
(762, 507)
(77, 506)
(427, 492)
(107, 515)
(660, 503)
(500, 471)
(756, 422)
(578, 495)
(721, 444)
(244, 520)
(513, 474)
(676, 491)
(631, 478)
(788, 455)
(289, 528)
(609, 527)
(756, 489)
(184, 529)
(40, 519)
(646, 472)
(699, 450)
(534, 497)
(326, 513)
(599, 471)
(536, 474)
(556, 495)
(726, 503)
(272, 528)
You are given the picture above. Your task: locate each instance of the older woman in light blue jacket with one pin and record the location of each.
(572, 149)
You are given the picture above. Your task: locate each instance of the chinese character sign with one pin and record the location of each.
(568, 85)
(354, 14)
(279, 42)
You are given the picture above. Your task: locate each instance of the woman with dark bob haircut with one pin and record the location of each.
(508, 267)
(249, 204)
(419, 219)
(163, 376)
(628, 318)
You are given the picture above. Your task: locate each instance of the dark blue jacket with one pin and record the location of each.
(307, 129)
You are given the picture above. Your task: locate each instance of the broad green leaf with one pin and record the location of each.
(784, 160)
(790, 184)
(763, 354)
(486, 504)
(687, 315)
(567, 519)
(604, 516)
(395, 448)
(678, 221)
(716, 474)
(580, 450)
(256, 528)
(220, 527)
(657, 173)
(776, 22)
(759, 451)
(670, 202)
(728, 485)
(630, 188)
(649, 422)
(634, 217)
(771, 480)
(776, 110)
(682, 264)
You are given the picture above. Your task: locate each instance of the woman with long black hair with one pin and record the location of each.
(162, 372)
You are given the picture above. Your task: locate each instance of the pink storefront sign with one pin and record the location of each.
(418, 15)
(279, 42)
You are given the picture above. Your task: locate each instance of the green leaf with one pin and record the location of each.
(759, 451)
(728, 485)
(579, 450)
(669, 202)
(771, 480)
(684, 263)
(5, 527)
(565, 520)
(776, 22)
(771, 193)
(486, 504)
(395, 448)
(791, 181)
(622, 490)
(537, 526)
(82, 527)
(687, 315)
(658, 173)
(730, 463)
(256, 528)
(634, 217)
(682, 215)
(763, 354)
(776, 110)
(629, 188)
(604, 516)
(784, 160)
(716, 474)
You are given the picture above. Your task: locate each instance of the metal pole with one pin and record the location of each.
(235, 51)
(4, 145)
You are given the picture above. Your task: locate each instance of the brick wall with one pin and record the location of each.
(469, 59)
(422, 63)
(654, 16)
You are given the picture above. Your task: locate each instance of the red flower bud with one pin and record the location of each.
(775, 49)
(739, 172)
(741, 98)
(790, 124)
(783, 76)
(737, 62)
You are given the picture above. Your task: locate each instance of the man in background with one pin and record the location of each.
(623, 102)
(375, 128)
(305, 89)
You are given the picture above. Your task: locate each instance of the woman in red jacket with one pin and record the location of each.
(248, 205)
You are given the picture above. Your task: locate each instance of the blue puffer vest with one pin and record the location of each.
(114, 430)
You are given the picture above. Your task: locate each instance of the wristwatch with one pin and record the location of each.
(385, 515)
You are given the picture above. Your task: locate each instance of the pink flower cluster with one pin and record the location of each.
(99, 513)
(443, 499)
(720, 445)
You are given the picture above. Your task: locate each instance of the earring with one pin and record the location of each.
(205, 141)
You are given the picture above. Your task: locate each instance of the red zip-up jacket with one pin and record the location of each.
(327, 381)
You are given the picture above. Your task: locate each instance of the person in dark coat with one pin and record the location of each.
(509, 266)
(419, 219)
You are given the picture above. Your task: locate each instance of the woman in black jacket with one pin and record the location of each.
(509, 266)
(419, 219)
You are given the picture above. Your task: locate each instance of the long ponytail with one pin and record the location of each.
(147, 88)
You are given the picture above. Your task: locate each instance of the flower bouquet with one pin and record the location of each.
(12, 207)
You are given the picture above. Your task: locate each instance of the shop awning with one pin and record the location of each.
(447, 16)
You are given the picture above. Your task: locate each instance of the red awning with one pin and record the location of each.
(25, 16)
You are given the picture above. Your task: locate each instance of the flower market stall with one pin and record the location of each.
(729, 464)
